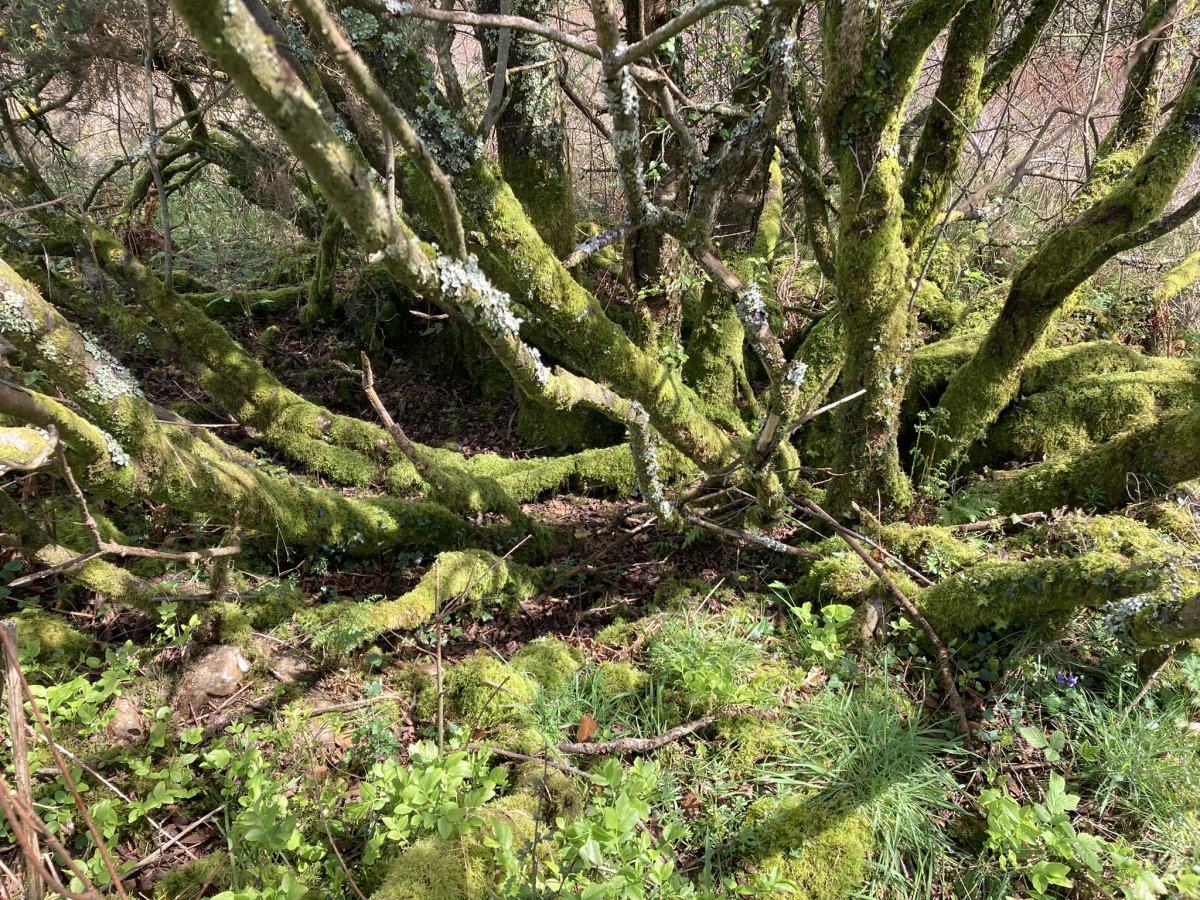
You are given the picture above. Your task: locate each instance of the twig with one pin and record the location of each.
(146, 860)
(749, 537)
(509, 754)
(19, 814)
(152, 153)
(909, 607)
(492, 113)
(34, 889)
(338, 853)
(989, 524)
(352, 704)
(637, 745)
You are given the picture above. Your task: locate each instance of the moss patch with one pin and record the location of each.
(823, 854)
(460, 868)
(53, 636)
(549, 661)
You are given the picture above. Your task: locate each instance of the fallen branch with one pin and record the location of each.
(637, 745)
(943, 655)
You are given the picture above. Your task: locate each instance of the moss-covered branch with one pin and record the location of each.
(992, 593)
(1138, 465)
(455, 579)
(956, 105)
(982, 388)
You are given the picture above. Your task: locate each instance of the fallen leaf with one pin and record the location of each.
(691, 804)
(587, 729)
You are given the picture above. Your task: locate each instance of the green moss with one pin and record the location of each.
(1005, 592)
(618, 634)
(575, 429)
(231, 623)
(824, 854)
(461, 868)
(20, 446)
(482, 692)
(616, 680)
(456, 576)
(935, 551)
(936, 310)
(1103, 477)
(54, 637)
(558, 797)
(551, 662)
(187, 882)
(838, 576)
(753, 740)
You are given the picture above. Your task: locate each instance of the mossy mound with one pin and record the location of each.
(558, 797)
(53, 637)
(837, 577)
(617, 680)
(188, 881)
(823, 853)
(618, 634)
(460, 868)
(482, 692)
(752, 740)
(549, 661)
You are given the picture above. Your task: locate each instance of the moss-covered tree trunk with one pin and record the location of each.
(531, 130)
(868, 83)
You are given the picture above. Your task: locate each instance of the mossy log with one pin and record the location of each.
(992, 593)
(1137, 465)
(455, 578)
(1076, 414)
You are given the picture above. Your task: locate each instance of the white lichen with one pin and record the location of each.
(12, 315)
(480, 300)
(116, 452)
(110, 380)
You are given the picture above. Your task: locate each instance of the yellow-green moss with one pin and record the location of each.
(558, 797)
(1075, 414)
(53, 636)
(456, 576)
(461, 868)
(616, 680)
(551, 662)
(482, 692)
(186, 881)
(618, 634)
(753, 740)
(1023, 591)
(823, 853)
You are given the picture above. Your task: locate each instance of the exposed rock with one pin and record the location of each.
(288, 669)
(215, 676)
(128, 726)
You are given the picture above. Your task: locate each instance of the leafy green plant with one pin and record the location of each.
(821, 635)
(1038, 841)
